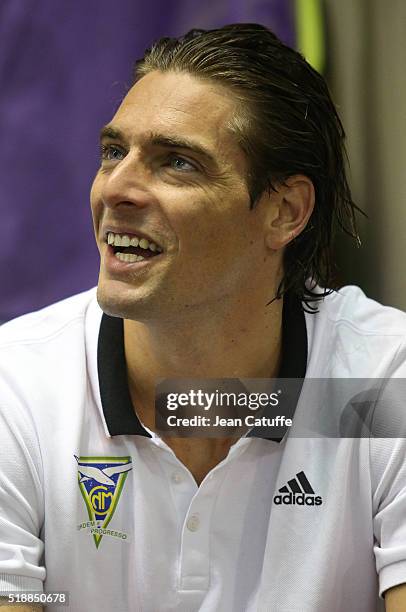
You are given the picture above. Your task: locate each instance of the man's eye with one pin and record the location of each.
(179, 163)
(111, 153)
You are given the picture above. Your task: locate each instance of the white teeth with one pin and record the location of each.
(126, 257)
(129, 257)
(124, 240)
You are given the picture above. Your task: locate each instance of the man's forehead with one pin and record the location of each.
(177, 104)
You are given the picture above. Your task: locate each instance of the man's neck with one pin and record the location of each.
(227, 347)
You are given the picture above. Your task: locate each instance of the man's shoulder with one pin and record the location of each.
(357, 336)
(349, 306)
(46, 354)
(49, 322)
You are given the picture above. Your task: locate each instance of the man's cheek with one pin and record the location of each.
(96, 210)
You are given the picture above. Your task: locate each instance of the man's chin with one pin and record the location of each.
(116, 303)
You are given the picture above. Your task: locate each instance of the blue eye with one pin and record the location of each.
(179, 163)
(111, 153)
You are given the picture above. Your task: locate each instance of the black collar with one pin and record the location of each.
(119, 414)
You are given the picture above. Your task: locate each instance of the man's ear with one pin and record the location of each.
(292, 206)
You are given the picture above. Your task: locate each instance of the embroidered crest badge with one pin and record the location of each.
(101, 481)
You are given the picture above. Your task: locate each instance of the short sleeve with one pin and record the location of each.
(388, 471)
(21, 498)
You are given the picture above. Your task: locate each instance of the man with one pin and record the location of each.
(221, 174)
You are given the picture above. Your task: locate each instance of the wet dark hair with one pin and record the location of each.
(286, 123)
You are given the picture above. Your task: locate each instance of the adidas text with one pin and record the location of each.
(291, 499)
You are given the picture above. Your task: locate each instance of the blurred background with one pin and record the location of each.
(65, 66)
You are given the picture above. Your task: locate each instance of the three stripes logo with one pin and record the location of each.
(297, 492)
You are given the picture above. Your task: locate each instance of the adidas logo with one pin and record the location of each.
(298, 492)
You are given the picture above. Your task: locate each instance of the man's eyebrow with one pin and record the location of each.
(181, 143)
(108, 131)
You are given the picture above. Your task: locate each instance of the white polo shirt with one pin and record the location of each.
(90, 503)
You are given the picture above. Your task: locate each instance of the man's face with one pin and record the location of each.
(173, 173)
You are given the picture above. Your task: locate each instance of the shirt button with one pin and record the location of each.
(193, 523)
(176, 477)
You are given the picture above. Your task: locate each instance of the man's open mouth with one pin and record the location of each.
(131, 249)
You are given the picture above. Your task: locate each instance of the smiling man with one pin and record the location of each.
(221, 175)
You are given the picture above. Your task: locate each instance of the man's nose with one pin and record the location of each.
(127, 183)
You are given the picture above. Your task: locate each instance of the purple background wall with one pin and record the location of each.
(64, 67)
